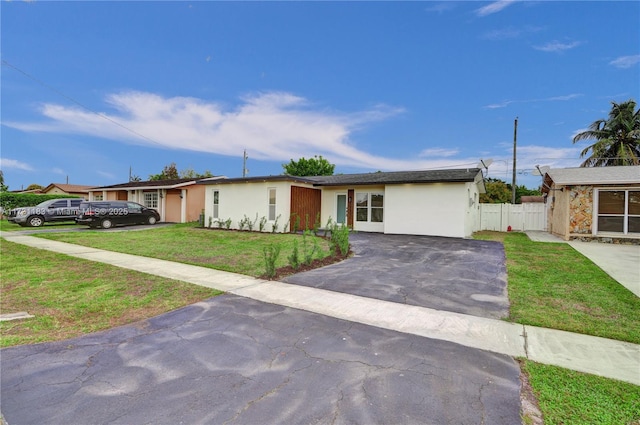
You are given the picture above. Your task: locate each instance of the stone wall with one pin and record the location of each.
(580, 210)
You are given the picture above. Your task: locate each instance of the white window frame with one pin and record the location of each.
(271, 209)
(625, 215)
(369, 207)
(150, 199)
(216, 203)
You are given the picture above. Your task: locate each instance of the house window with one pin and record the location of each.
(150, 199)
(272, 203)
(97, 197)
(216, 202)
(370, 207)
(619, 211)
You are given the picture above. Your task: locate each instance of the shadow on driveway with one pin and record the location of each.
(460, 275)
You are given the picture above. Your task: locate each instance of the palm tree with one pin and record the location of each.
(617, 139)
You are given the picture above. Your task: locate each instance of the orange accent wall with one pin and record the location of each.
(173, 205)
(195, 201)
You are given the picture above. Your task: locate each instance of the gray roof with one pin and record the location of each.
(594, 175)
(379, 178)
(151, 184)
(399, 177)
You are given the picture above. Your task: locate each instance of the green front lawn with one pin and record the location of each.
(70, 296)
(5, 226)
(553, 286)
(228, 250)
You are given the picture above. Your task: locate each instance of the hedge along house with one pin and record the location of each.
(176, 200)
(601, 203)
(437, 202)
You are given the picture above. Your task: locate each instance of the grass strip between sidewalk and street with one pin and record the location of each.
(551, 285)
(70, 297)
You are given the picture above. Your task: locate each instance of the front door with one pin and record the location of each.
(341, 212)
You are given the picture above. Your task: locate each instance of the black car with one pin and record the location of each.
(53, 210)
(107, 214)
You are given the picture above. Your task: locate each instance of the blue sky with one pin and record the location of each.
(90, 89)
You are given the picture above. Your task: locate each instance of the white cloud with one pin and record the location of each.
(494, 7)
(58, 171)
(438, 152)
(13, 163)
(557, 46)
(509, 32)
(273, 126)
(441, 7)
(506, 103)
(625, 62)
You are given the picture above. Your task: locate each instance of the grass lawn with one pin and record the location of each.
(70, 296)
(569, 397)
(553, 286)
(233, 251)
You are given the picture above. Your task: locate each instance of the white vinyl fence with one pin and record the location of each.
(521, 217)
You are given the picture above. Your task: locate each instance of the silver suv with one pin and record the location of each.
(47, 211)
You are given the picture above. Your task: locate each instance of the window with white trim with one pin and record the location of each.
(150, 199)
(370, 207)
(216, 202)
(619, 211)
(272, 203)
(97, 197)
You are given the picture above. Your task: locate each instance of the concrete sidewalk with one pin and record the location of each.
(598, 356)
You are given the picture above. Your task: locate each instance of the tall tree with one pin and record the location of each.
(3, 187)
(169, 172)
(316, 166)
(617, 138)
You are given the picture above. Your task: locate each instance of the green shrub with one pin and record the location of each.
(271, 254)
(339, 240)
(294, 258)
(274, 227)
(306, 252)
(9, 200)
(263, 223)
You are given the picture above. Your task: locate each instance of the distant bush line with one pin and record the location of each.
(9, 200)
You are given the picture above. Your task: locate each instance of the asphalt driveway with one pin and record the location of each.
(460, 275)
(234, 360)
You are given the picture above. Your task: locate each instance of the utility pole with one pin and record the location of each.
(513, 179)
(244, 164)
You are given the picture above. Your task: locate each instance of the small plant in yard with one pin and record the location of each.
(271, 254)
(210, 222)
(339, 240)
(263, 223)
(219, 223)
(245, 222)
(317, 224)
(286, 226)
(296, 224)
(227, 223)
(306, 252)
(274, 227)
(327, 227)
(294, 258)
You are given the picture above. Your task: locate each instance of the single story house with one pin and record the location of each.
(67, 189)
(435, 202)
(593, 202)
(176, 200)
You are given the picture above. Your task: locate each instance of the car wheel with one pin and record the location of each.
(36, 221)
(151, 220)
(107, 223)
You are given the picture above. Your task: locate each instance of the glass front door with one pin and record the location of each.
(341, 213)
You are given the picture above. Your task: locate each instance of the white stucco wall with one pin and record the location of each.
(438, 209)
(239, 199)
(329, 206)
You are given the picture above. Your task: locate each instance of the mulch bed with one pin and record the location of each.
(315, 264)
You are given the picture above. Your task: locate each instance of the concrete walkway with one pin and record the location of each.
(598, 356)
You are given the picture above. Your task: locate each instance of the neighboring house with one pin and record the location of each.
(593, 202)
(67, 189)
(437, 202)
(177, 200)
(60, 189)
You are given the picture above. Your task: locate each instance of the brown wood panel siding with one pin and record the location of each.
(305, 203)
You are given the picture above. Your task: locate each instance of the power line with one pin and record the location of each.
(69, 98)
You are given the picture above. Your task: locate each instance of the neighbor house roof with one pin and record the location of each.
(592, 176)
(153, 184)
(379, 178)
(69, 188)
